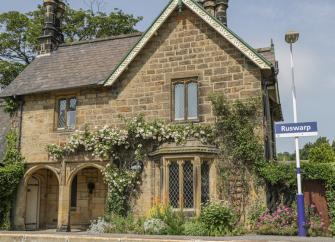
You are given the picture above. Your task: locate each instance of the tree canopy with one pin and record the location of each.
(321, 151)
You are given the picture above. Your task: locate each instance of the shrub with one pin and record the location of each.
(155, 226)
(315, 225)
(99, 226)
(219, 219)
(283, 221)
(255, 212)
(173, 220)
(10, 176)
(195, 228)
(117, 224)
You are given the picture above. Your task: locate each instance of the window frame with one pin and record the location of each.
(67, 97)
(185, 82)
(197, 162)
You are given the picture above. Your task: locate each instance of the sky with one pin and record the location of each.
(257, 22)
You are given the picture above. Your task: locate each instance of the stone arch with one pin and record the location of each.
(40, 201)
(33, 169)
(81, 167)
(85, 204)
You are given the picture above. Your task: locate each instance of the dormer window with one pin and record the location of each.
(66, 113)
(185, 100)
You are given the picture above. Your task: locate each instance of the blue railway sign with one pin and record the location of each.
(297, 129)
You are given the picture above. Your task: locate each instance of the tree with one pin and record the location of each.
(285, 156)
(322, 153)
(20, 31)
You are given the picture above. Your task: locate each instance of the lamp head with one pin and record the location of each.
(291, 37)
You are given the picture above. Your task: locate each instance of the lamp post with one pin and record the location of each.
(292, 37)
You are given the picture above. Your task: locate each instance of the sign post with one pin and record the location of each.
(297, 130)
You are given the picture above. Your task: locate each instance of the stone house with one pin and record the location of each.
(164, 73)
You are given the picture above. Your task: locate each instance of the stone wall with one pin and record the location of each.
(184, 47)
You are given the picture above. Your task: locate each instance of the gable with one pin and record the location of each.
(227, 34)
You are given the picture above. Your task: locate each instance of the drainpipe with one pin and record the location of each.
(21, 103)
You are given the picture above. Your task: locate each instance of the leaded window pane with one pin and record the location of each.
(71, 114)
(204, 182)
(192, 97)
(61, 113)
(179, 102)
(188, 185)
(174, 184)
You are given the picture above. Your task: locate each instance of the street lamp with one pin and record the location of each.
(292, 37)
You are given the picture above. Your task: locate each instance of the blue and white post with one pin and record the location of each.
(291, 38)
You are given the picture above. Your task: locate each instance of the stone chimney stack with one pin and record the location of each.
(221, 10)
(217, 8)
(209, 5)
(52, 35)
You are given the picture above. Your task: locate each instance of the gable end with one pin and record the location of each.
(247, 50)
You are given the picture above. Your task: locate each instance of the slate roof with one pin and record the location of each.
(72, 65)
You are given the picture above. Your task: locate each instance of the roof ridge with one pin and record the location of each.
(122, 36)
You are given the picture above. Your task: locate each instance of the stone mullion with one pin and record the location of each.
(181, 183)
(197, 185)
(165, 198)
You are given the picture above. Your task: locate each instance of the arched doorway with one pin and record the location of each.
(87, 196)
(42, 192)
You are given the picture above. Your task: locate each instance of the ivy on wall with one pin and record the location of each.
(238, 130)
(11, 173)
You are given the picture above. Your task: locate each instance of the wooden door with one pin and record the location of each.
(32, 204)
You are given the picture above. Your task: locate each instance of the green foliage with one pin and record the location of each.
(219, 220)
(320, 146)
(285, 175)
(124, 147)
(285, 156)
(87, 24)
(174, 220)
(122, 185)
(12, 154)
(278, 173)
(11, 105)
(256, 211)
(10, 176)
(235, 128)
(134, 142)
(322, 153)
(195, 228)
(283, 221)
(125, 224)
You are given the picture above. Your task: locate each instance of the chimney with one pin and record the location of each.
(221, 10)
(52, 35)
(209, 5)
(217, 8)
